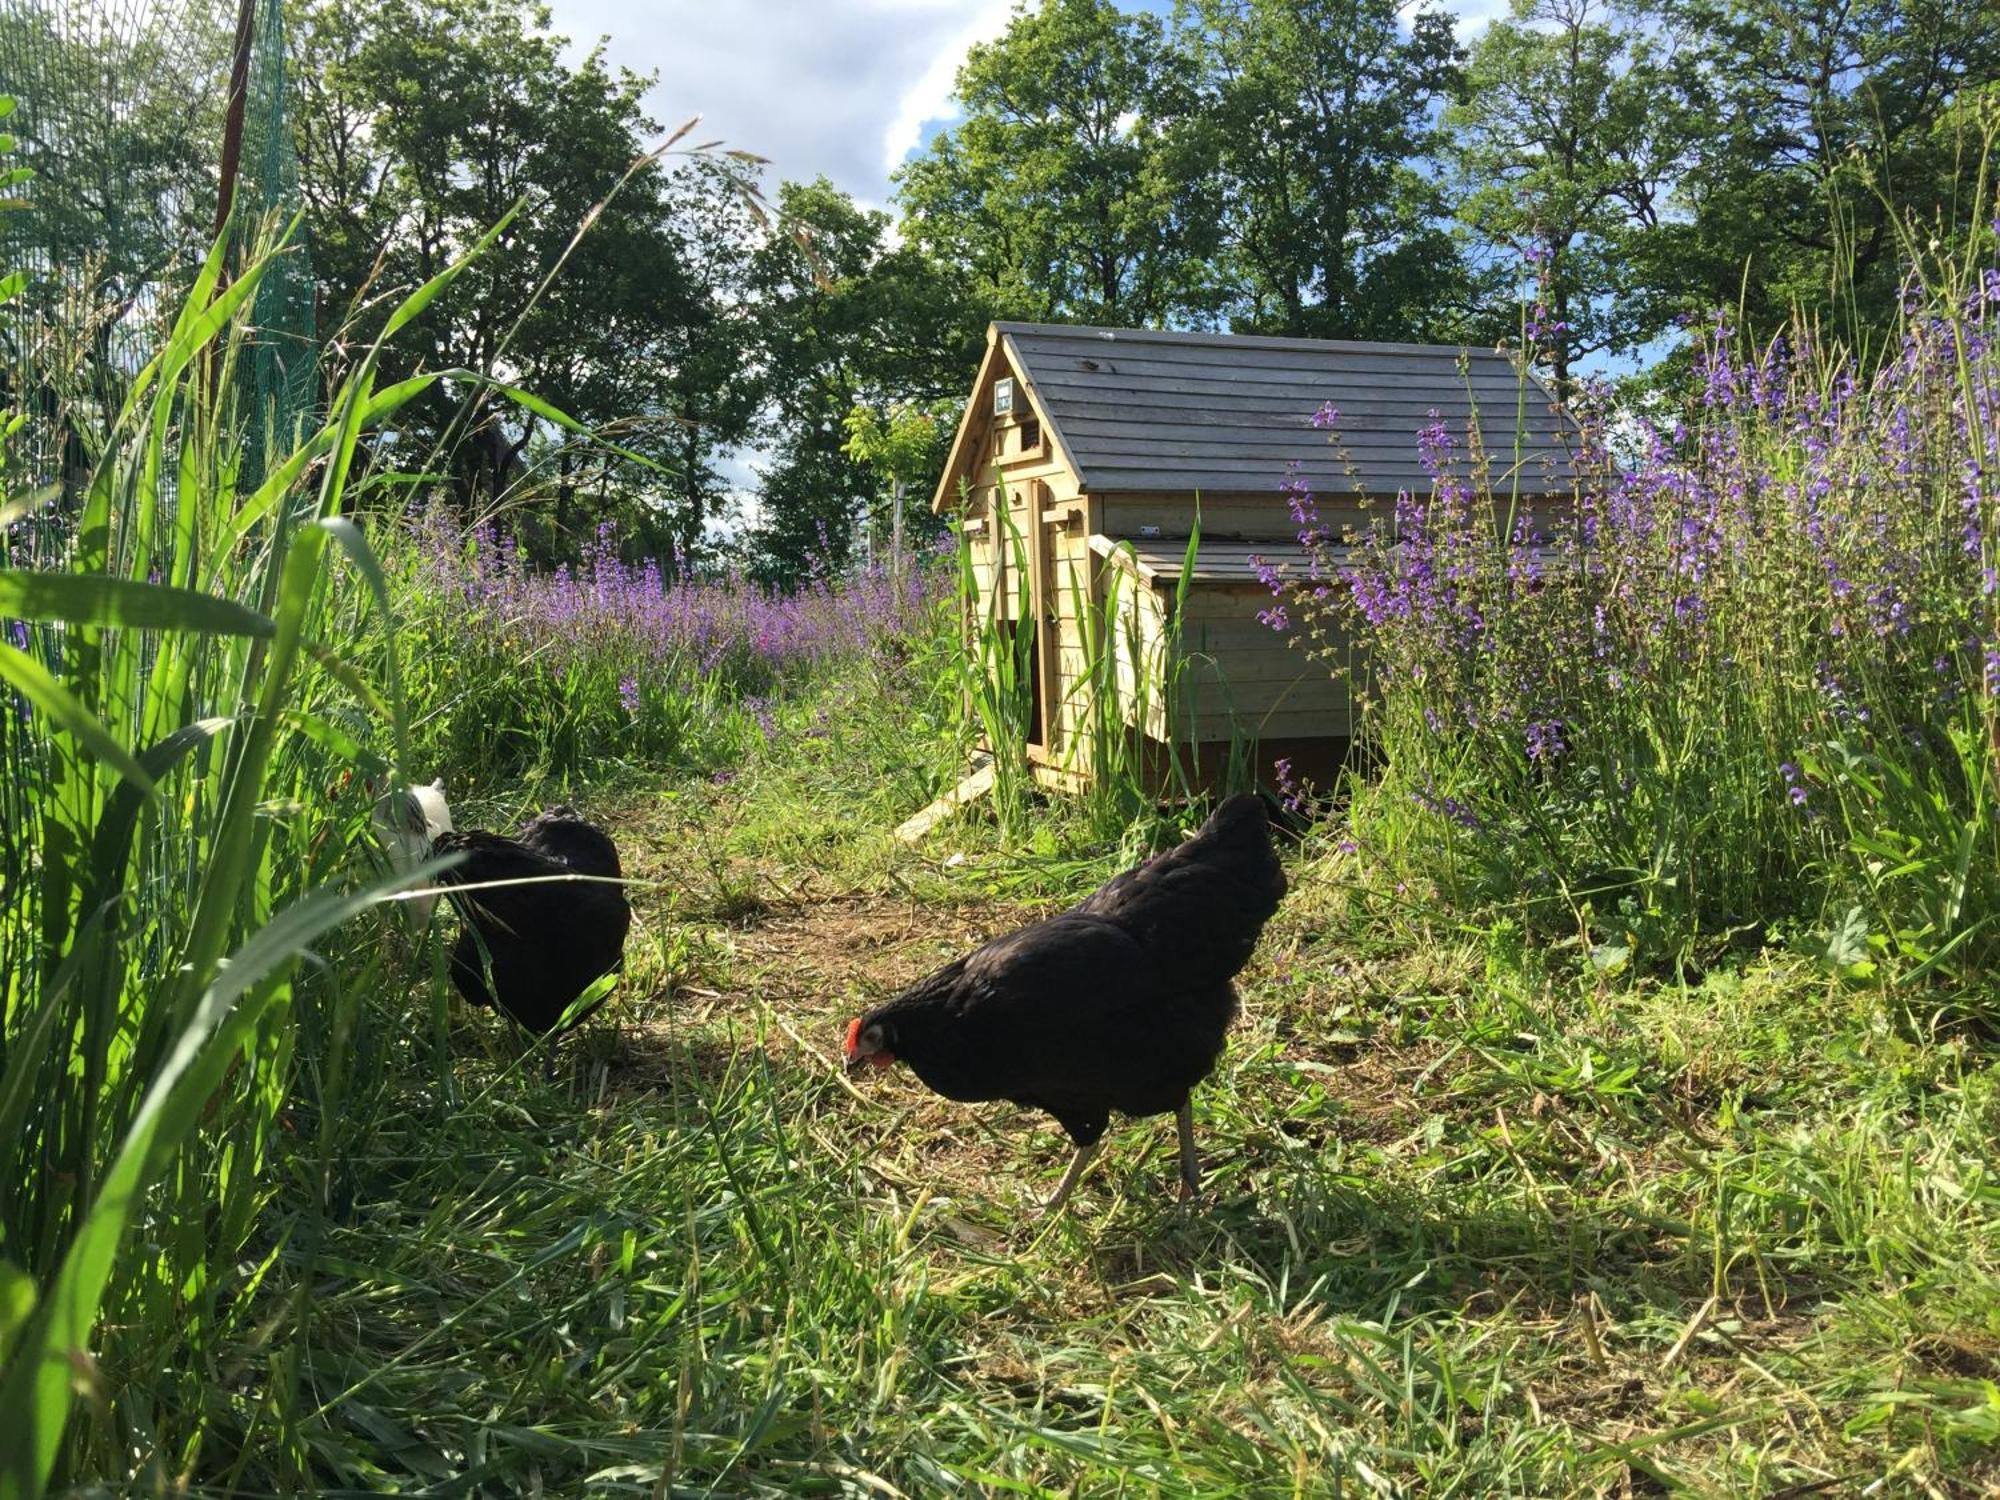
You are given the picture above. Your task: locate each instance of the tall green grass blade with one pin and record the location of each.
(355, 544)
(33, 682)
(93, 599)
(529, 401)
(412, 306)
(38, 1384)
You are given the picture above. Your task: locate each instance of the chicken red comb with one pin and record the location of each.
(853, 1036)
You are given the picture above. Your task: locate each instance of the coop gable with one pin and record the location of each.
(1139, 412)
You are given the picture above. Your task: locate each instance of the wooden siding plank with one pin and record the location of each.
(1231, 668)
(1330, 722)
(1203, 694)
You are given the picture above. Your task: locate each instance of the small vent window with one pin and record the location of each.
(1031, 435)
(1003, 397)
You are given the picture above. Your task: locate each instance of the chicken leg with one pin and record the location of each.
(1068, 1184)
(1190, 1163)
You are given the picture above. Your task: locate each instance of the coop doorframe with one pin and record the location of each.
(1047, 623)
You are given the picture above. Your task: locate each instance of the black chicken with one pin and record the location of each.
(543, 943)
(1120, 1003)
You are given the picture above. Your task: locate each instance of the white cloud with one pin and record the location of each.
(839, 88)
(842, 88)
(1474, 16)
(930, 97)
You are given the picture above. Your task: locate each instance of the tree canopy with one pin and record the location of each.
(746, 352)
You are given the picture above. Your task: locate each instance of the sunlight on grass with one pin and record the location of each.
(1489, 1212)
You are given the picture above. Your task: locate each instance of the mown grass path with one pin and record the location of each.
(1474, 1225)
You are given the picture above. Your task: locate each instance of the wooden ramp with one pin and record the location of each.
(975, 786)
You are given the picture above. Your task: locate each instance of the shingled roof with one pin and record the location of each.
(1138, 410)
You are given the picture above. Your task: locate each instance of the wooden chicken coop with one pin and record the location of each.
(1104, 440)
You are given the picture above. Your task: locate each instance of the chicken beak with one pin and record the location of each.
(856, 1064)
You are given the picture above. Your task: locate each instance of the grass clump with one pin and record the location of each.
(180, 718)
(545, 675)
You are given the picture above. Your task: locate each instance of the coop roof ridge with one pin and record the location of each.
(1201, 337)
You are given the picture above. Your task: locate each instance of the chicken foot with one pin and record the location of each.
(1068, 1184)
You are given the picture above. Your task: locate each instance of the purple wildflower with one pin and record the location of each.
(1545, 740)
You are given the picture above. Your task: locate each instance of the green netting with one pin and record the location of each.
(285, 371)
(121, 109)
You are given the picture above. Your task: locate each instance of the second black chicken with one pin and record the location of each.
(547, 919)
(1118, 1004)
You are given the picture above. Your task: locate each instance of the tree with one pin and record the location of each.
(1566, 146)
(121, 123)
(845, 319)
(1322, 114)
(421, 124)
(1824, 121)
(904, 444)
(1075, 187)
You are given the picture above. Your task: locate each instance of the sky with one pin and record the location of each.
(843, 88)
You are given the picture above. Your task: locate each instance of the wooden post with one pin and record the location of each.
(232, 160)
(896, 527)
(232, 125)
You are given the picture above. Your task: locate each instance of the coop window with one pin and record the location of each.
(1031, 435)
(1003, 397)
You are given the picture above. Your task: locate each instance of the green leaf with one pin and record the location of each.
(348, 676)
(1610, 958)
(17, 1304)
(22, 504)
(391, 399)
(12, 285)
(355, 543)
(529, 401)
(109, 847)
(32, 681)
(29, 1046)
(1845, 949)
(94, 599)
